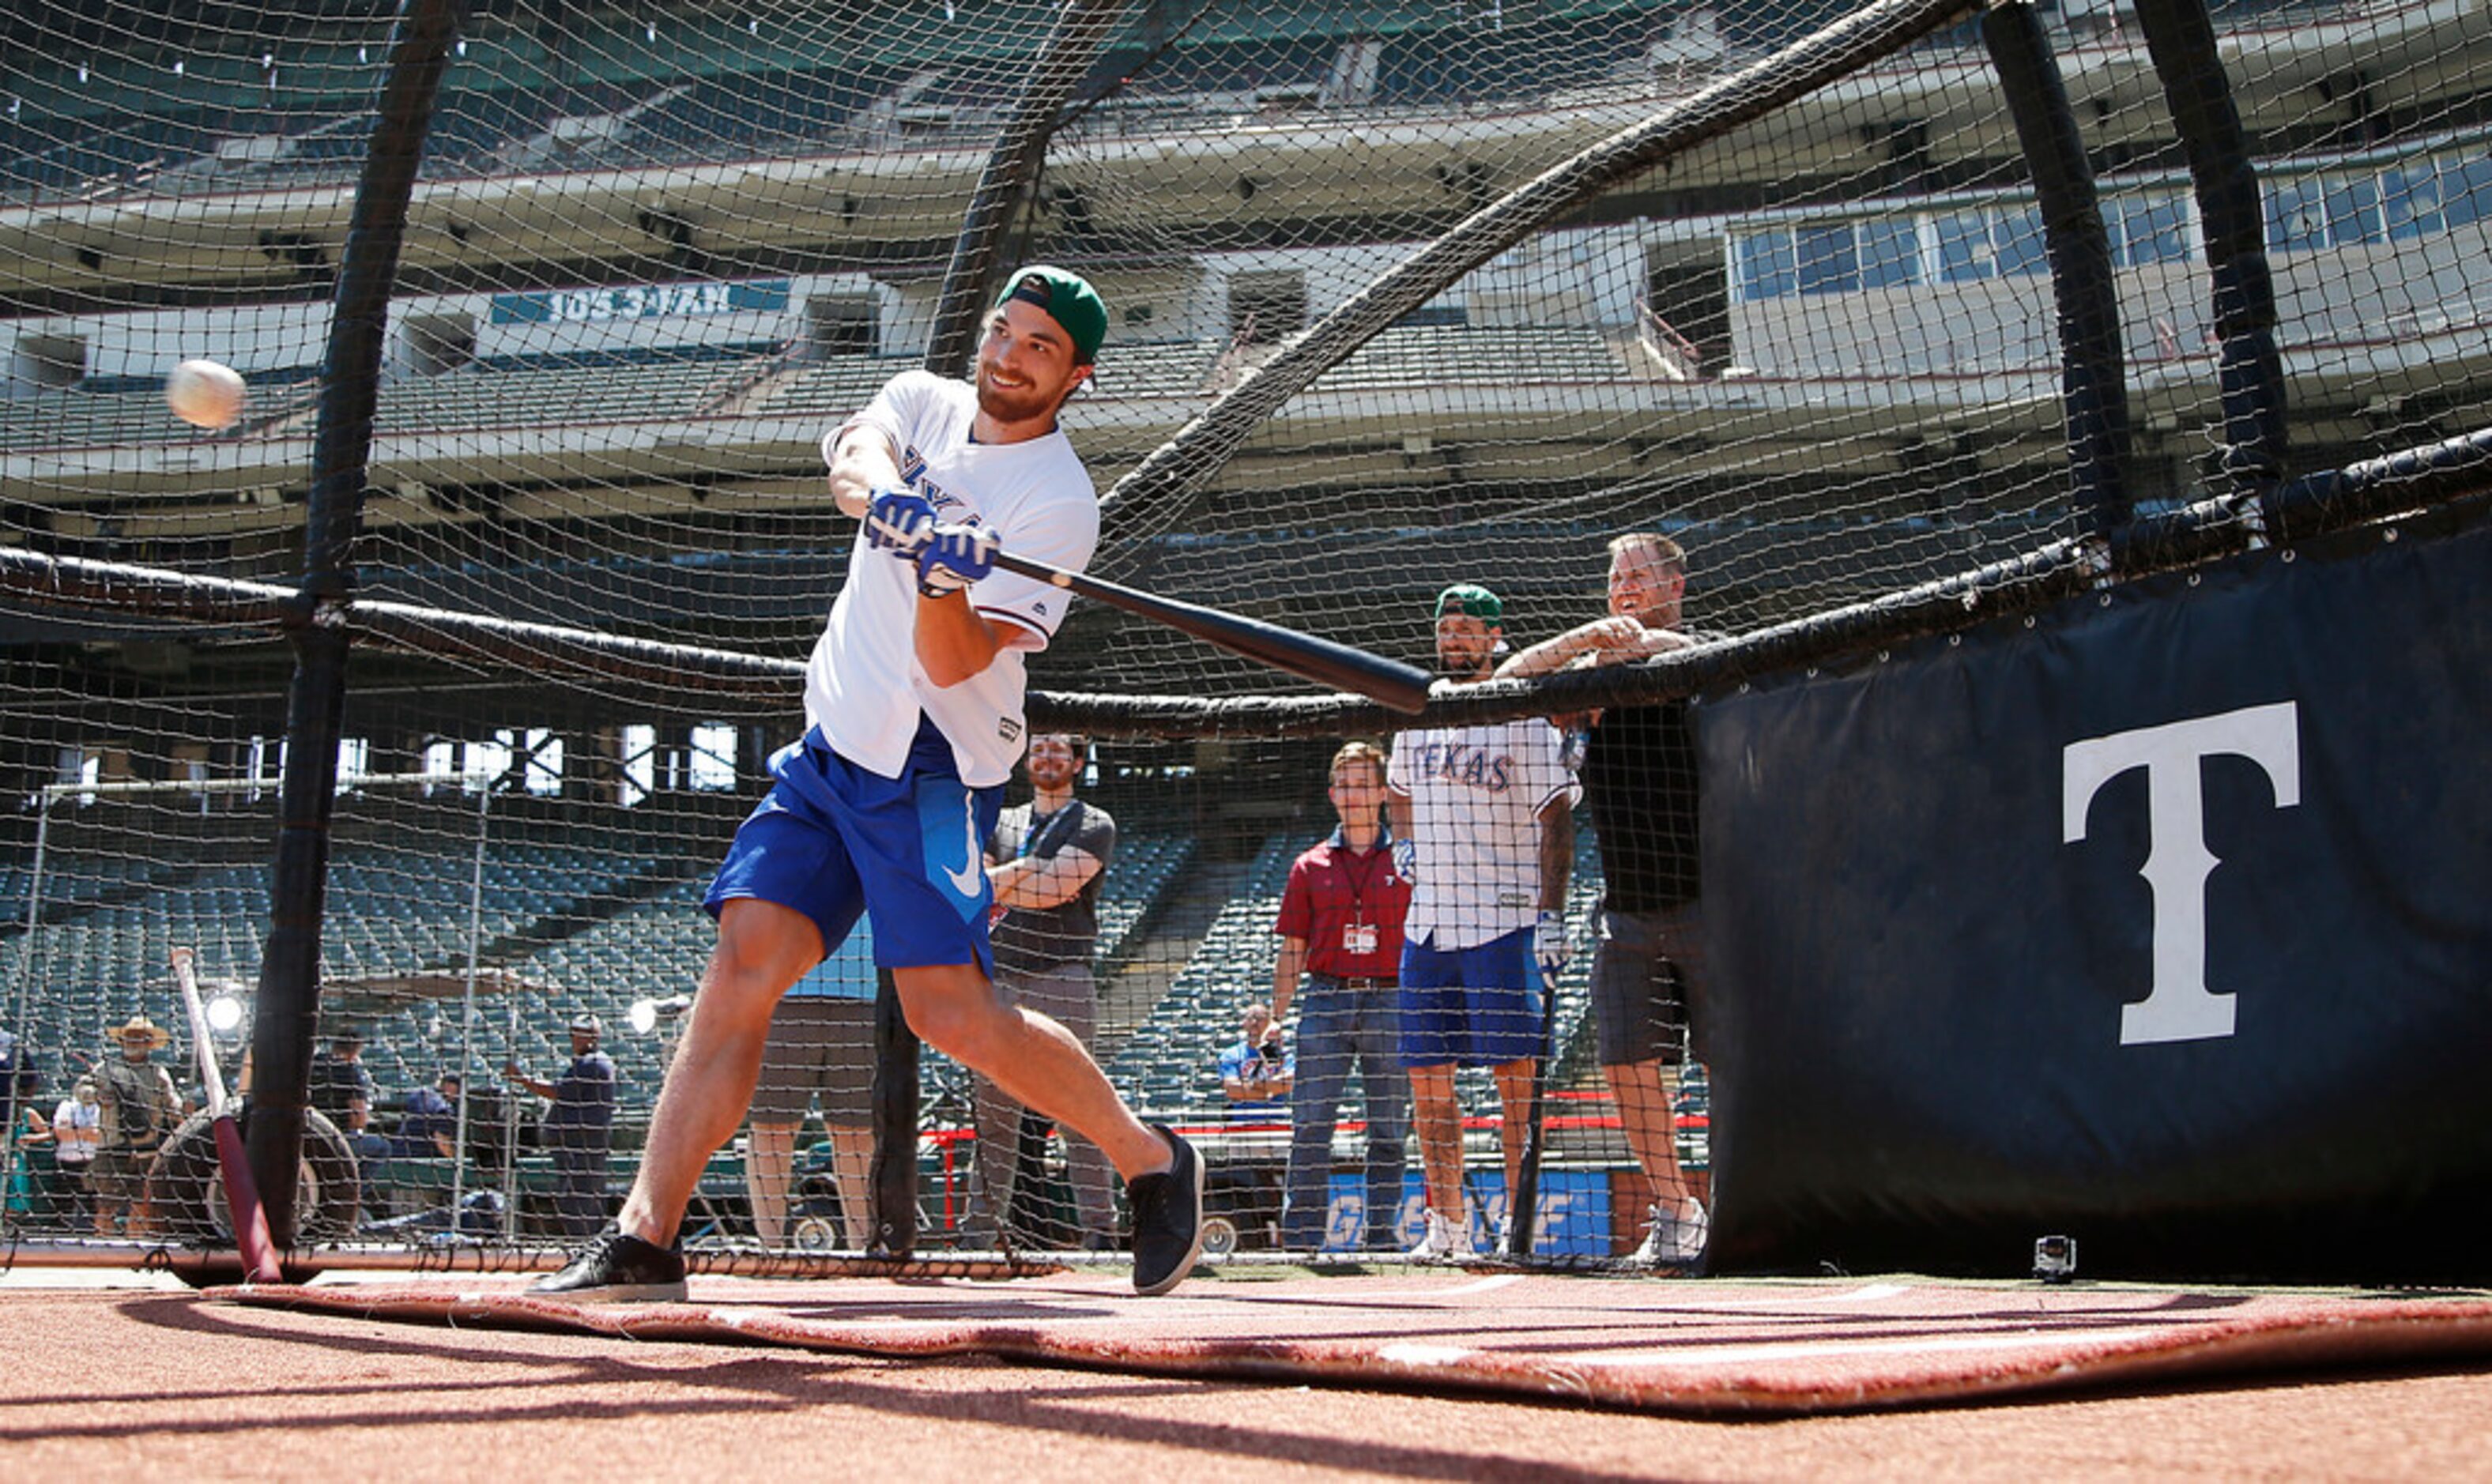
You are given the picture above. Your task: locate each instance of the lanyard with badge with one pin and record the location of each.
(1358, 936)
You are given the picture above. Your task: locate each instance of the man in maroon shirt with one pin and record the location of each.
(1341, 939)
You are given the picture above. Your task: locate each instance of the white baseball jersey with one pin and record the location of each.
(1475, 796)
(862, 685)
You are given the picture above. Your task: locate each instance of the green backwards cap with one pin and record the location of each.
(1068, 299)
(1472, 599)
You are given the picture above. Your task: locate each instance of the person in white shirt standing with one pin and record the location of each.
(1484, 829)
(913, 697)
(77, 1132)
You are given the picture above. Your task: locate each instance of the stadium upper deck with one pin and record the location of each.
(1861, 267)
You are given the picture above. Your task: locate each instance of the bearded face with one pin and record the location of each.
(1054, 762)
(1025, 366)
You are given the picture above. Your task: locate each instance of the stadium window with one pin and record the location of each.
(640, 764)
(354, 761)
(2353, 211)
(441, 761)
(2016, 242)
(2152, 229)
(1765, 267)
(50, 361)
(1829, 259)
(1890, 253)
(713, 758)
(2297, 217)
(1965, 251)
(264, 762)
(538, 754)
(481, 762)
(2466, 192)
(2410, 201)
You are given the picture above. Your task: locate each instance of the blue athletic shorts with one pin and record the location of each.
(1470, 1007)
(834, 841)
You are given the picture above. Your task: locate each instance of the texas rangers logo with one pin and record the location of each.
(1468, 764)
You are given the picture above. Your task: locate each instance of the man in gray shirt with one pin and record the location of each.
(1045, 862)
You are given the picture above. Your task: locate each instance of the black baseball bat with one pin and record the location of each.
(1522, 1202)
(892, 1169)
(1390, 683)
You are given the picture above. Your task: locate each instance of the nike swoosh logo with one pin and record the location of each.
(969, 878)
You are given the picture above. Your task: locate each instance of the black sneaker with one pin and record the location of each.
(1167, 1219)
(618, 1268)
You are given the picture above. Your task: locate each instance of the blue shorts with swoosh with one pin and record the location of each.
(835, 842)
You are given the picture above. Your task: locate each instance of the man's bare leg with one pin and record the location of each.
(1514, 1101)
(853, 1160)
(1651, 1125)
(1438, 1119)
(1031, 1058)
(769, 1163)
(762, 948)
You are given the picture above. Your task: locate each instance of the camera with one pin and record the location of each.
(2055, 1259)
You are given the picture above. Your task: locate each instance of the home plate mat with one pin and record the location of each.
(1709, 1347)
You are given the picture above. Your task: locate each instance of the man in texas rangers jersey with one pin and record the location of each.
(914, 700)
(1484, 829)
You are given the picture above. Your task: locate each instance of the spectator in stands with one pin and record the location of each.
(1639, 775)
(137, 1109)
(820, 1053)
(1339, 964)
(338, 1077)
(428, 1124)
(17, 1084)
(1044, 864)
(1484, 830)
(372, 1151)
(913, 710)
(1257, 1069)
(78, 1128)
(578, 1127)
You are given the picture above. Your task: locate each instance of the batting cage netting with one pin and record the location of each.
(1652, 364)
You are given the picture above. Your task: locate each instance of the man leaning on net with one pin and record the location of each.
(1639, 775)
(913, 704)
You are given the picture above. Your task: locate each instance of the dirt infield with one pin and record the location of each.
(116, 1380)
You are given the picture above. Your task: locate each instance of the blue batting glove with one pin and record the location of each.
(1405, 859)
(955, 556)
(1548, 943)
(899, 522)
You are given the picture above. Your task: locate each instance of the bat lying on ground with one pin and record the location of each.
(241, 1194)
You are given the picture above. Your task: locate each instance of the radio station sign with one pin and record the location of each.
(647, 301)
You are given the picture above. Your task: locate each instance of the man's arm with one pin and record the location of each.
(1557, 850)
(1291, 963)
(863, 462)
(1034, 883)
(1232, 1079)
(1612, 641)
(519, 1077)
(955, 641)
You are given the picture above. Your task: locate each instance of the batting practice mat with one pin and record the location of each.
(1690, 1347)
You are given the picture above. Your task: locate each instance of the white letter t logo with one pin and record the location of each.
(2179, 1007)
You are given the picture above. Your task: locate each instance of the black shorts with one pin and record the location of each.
(1645, 970)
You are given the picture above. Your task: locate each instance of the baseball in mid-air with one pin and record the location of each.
(205, 394)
